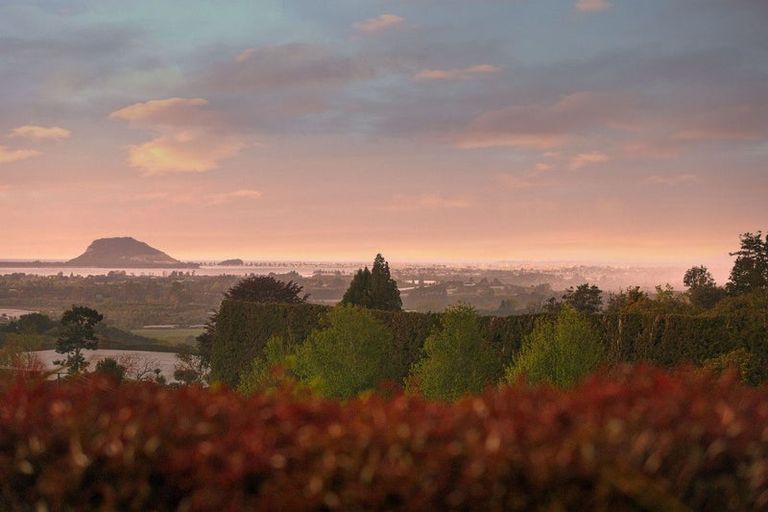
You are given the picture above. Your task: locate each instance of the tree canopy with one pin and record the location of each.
(750, 270)
(78, 334)
(266, 289)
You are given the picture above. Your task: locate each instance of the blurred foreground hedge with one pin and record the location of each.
(639, 439)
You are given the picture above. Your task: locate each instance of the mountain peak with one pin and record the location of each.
(126, 252)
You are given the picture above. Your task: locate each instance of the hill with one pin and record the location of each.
(125, 252)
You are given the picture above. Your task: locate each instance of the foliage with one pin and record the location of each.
(261, 374)
(190, 367)
(740, 360)
(109, 366)
(584, 298)
(257, 289)
(374, 289)
(348, 355)
(750, 270)
(640, 439)
(561, 351)
(703, 292)
(78, 324)
(266, 289)
(457, 359)
(630, 301)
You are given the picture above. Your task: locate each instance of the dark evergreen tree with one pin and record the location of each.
(374, 289)
(264, 289)
(78, 334)
(750, 270)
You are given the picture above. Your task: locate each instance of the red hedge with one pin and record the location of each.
(642, 439)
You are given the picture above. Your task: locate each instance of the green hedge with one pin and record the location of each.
(243, 328)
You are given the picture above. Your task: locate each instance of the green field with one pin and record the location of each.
(170, 336)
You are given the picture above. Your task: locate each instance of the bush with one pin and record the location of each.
(743, 362)
(112, 368)
(261, 376)
(457, 360)
(640, 440)
(560, 352)
(349, 355)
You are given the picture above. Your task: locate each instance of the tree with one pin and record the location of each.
(457, 359)
(560, 352)
(78, 324)
(110, 366)
(703, 292)
(585, 298)
(266, 289)
(374, 289)
(350, 354)
(750, 270)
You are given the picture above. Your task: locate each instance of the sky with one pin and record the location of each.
(429, 130)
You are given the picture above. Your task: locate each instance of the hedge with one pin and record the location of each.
(243, 328)
(639, 439)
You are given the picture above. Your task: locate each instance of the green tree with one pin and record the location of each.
(750, 270)
(457, 359)
(584, 298)
(78, 324)
(350, 354)
(703, 292)
(259, 376)
(560, 352)
(374, 289)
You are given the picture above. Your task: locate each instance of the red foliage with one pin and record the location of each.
(641, 439)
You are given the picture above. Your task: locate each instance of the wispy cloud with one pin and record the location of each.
(8, 155)
(228, 197)
(586, 159)
(592, 5)
(456, 73)
(427, 201)
(379, 23)
(190, 137)
(671, 179)
(40, 132)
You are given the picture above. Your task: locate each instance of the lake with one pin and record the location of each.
(136, 358)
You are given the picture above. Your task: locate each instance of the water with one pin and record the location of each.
(304, 269)
(134, 359)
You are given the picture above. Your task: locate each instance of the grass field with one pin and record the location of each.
(170, 336)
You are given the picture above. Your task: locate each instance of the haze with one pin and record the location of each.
(590, 130)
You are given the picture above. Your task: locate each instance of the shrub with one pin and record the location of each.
(741, 360)
(561, 351)
(349, 355)
(642, 439)
(457, 360)
(112, 368)
(261, 375)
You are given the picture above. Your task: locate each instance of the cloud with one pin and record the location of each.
(228, 197)
(40, 132)
(280, 67)
(8, 155)
(427, 201)
(456, 73)
(379, 23)
(546, 126)
(671, 180)
(592, 5)
(190, 137)
(585, 159)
